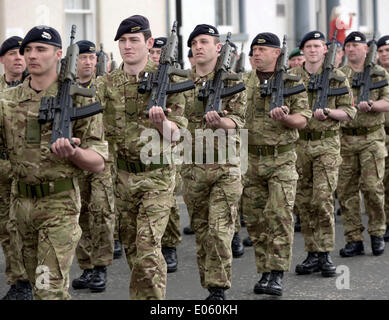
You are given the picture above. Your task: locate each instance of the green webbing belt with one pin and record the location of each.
(138, 167)
(317, 135)
(360, 131)
(43, 190)
(266, 151)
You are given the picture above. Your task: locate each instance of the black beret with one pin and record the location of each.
(86, 46)
(251, 53)
(42, 34)
(313, 35)
(203, 29)
(133, 24)
(160, 42)
(296, 52)
(9, 44)
(355, 36)
(266, 39)
(190, 53)
(384, 41)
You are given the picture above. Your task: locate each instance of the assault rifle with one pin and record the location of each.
(102, 62)
(158, 83)
(60, 109)
(321, 82)
(240, 64)
(363, 80)
(113, 63)
(275, 87)
(215, 90)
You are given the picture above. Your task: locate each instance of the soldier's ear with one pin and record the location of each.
(219, 46)
(58, 54)
(150, 43)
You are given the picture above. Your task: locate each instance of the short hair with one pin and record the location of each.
(147, 35)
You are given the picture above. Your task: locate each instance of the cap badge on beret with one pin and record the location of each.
(317, 35)
(134, 29)
(211, 31)
(20, 42)
(46, 35)
(261, 41)
(387, 41)
(358, 38)
(159, 42)
(92, 48)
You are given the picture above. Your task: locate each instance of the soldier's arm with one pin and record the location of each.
(382, 105)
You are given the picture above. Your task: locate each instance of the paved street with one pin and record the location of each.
(369, 275)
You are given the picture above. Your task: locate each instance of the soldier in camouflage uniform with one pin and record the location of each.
(318, 159)
(46, 200)
(144, 192)
(363, 152)
(172, 236)
(271, 179)
(383, 53)
(16, 275)
(97, 218)
(212, 190)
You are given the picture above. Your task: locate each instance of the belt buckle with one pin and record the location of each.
(260, 151)
(354, 132)
(309, 136)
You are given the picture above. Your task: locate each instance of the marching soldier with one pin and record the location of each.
(296, 58)
(46, 199)
(318, 157)
(212, 191)
(363, 152)
(144, 193)
(383, 55)
(95, 248)
(15, 272)
(271, 179)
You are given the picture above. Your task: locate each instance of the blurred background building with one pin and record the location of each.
(98, 20)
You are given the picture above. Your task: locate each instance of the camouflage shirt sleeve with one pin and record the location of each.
(176, 102)
(236, 107)
(298, 103)
(384, 92)
(346, 102)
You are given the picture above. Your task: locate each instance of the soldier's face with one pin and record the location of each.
(383, 56)
(205, 49)
(314, 51)
(155, 54)
(356, 52)
(265, 57)
(13, 62)
(41, 58)
(86, 64)
(133, 47)
(296, 61)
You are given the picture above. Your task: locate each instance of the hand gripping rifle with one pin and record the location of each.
(321, 83)
(60, 109)
(363, 80)
(158, 83)
(214, 91)
(275, 87)
(102, 62)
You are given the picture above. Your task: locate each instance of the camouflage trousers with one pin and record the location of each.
(386, 183)
(144, 202)
(318, 179)
(211, 194)
(363, 170)
(9, 238)
(172, 236)
(97, 220)
(268, 200)
(50, 233)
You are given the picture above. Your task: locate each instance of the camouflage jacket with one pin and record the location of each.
(125, 112)
(262, 129)
(28, 142)
(369, 119)
(3, 83)
(344, 102)
(195, 109)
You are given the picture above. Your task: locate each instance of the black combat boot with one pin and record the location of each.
(83, 281)
(237, 246)
(170, 255)
(309, 265)
(297, 225)
(260, 286)
(24, 290)
(118, 250)
(377, 245)
(216, 293)
(327, 267)
(188, 231)
(274, 287)
(247, 242)
(352, 249)
(99, 279)
(11, 294)
(386, 235)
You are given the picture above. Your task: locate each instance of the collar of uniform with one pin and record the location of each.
(3, 83)
(320, 71)
(197, 79)
(27, 93)
(121, 78)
